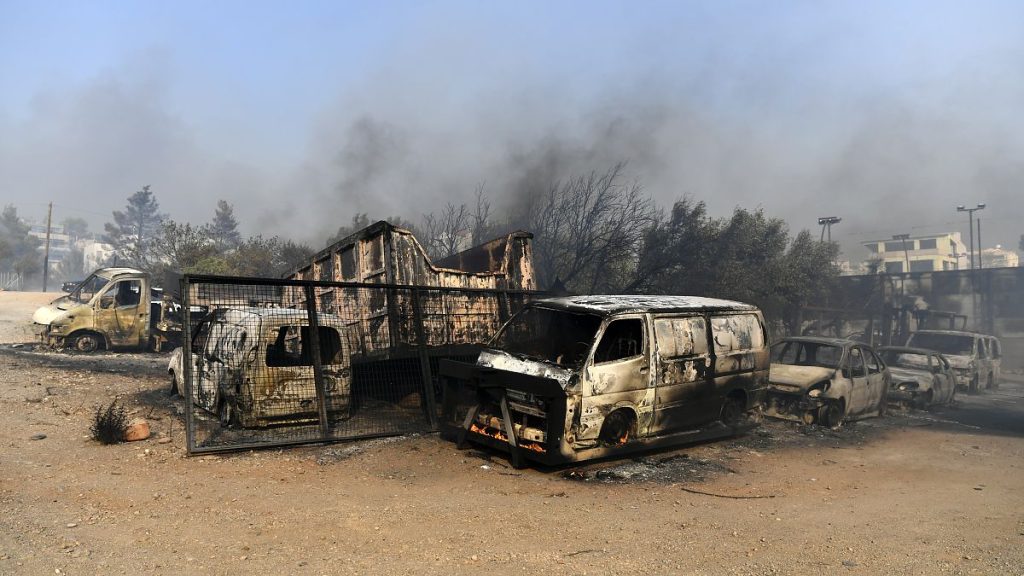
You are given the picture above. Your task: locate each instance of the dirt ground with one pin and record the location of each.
(914, 493)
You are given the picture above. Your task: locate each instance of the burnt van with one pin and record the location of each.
(569, 379)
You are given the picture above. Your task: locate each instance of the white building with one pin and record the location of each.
(999, 257)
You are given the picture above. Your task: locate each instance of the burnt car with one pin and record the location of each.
(976, 358)
(568, 379)
(919, 377)
(826, 381)
(253, 367)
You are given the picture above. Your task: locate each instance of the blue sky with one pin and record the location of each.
(300, 114)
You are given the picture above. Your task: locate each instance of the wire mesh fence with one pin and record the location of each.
(280, 362)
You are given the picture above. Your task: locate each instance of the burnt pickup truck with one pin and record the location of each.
(112, 308)
(570, 379)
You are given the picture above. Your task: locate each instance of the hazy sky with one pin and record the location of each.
(887, 114)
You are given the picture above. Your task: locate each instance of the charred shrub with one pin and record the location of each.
(109, 424)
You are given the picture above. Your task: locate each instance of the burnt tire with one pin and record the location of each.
(831, 415)
(923, 401)
(732, 411)
(87, 342)
(617, 428)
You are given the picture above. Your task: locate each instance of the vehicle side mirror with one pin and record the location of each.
(106, 302)
(846, 372)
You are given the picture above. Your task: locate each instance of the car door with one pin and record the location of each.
(945, 376)
(860, 398)
(120, 312)
(878, 380)
(619, 375)
(683, 371)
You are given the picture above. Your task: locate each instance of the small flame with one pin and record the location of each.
(499, 435)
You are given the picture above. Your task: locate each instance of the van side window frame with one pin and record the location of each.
(642, 349)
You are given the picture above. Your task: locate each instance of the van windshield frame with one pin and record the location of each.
(951, 344)
(549, 335)
(91, 286)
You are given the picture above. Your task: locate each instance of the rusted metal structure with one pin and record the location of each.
(384, 254)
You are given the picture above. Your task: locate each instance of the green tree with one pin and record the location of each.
(19, 251)
(223, 230)
(189, 249)
(268, 257)
(132, 232)
(747, 257)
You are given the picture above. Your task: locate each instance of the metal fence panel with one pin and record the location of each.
(281, 362)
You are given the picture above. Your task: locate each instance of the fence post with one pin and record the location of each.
(186, 360)
(318, 369)
(421, 340)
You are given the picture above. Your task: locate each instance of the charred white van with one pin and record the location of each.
(254, 366)
(582, 377)
(976, 358)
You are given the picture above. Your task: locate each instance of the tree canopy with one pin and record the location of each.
(134, 229)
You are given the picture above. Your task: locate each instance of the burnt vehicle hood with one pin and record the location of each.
(956, 361)
(900, 374)
(789, 378)
(499, 360)
(54, 310)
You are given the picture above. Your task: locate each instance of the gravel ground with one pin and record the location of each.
(914, 493)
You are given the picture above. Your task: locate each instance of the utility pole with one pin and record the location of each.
(906, 253)
(46, 253)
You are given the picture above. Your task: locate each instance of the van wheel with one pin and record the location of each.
(732, 411)
(617, 428)
(87, 342)
(831, 414)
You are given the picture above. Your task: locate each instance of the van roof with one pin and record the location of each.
(111, 272)
(951, 333)
(612, 304)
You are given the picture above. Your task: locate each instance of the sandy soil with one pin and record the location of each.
(914, 493)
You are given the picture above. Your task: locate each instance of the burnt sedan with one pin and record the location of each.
(826, 381)
(919, 377)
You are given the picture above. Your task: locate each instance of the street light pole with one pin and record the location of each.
(826, 222)
(970, 221)
(981, 260)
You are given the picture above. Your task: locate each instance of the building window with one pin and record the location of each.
(929, 244)
(922, 266)
(893, 267)
(873, 248)
(898, 246)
